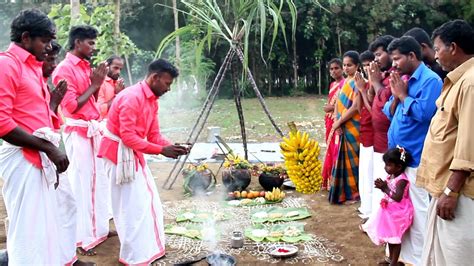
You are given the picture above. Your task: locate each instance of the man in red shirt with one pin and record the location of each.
(366, 151)
(29, 160)
(112, 85)
(82, 137)
(132, 131)
(379, 74)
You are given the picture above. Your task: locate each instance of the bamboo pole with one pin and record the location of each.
(257, 92)
(240, 111)
(202, 118)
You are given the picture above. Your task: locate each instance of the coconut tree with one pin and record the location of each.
(232, 23)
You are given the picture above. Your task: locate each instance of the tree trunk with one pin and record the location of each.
(176, 27)
(116, 26)
(240, 54)
(75, 11)
(295, 66)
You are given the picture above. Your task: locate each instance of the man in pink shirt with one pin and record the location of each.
(132, 131)
(82, 137)
(29, 160)
(112, 85)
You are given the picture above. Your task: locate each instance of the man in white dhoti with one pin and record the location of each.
(410, 109)
(29, 160)
(133, 130)
(82, 137)
(447, 163)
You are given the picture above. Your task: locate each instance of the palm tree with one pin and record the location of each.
(232, 24)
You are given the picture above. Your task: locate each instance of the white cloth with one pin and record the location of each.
(450, 242)
(412, 242)
(65, 203)
(90, 188)
(366, 179)
(125, 160)
(33, 237)
(138, 216)
(94, 130)
(379, 172)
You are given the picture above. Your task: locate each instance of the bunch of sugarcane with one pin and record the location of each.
(301, 160)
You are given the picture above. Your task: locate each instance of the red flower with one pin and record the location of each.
(383, 203)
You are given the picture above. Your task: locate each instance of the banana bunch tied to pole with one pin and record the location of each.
(301, 160)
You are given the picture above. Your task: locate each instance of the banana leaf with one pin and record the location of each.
(197, 216)
(302, 214)
(194, 231)
(252, 202)
(290, 233)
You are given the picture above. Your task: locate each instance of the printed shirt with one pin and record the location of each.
(449, 144)
(24, 96)
(412, 117)
(133, 117)
(106, 93)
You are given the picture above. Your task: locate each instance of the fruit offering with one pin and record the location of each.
(245, 195)
(275, 195)
(301, 161)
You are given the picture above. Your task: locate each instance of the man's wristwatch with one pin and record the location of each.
(448, 192)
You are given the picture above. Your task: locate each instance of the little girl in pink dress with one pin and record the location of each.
(395, 216)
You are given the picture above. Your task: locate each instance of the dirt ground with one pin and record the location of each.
(339, 224)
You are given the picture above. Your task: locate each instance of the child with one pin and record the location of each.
(396, 213)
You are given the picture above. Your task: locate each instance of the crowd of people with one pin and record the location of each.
(397, 134)
(106, 130)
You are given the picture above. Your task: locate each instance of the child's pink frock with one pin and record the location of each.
(393, 218)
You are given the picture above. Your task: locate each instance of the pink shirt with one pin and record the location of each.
(106, 93)
(133, 117)
(24, 96)
(76, 72)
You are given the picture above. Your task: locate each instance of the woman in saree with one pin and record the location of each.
(335, 70)
(345, 172)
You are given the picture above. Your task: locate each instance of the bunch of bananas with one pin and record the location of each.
(275, 195)
(301, 161)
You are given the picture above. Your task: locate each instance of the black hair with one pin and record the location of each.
(81, 33)
(395, 156)
(381, 41)
(112, 58)
(405, 45)
(353, 55)
(335, 61)
(160, 66)
(420, 35)
(55, 48)
(33, 21)
(457, 31)
(366, 56)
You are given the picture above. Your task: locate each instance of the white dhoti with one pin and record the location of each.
(450, 242)
(90, 187)
(379, 172)
(366, 180)
(412, 242)
(138, 216)
(41, 227)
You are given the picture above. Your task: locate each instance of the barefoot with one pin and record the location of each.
(90, 252)
(112, 233)
(83, 263)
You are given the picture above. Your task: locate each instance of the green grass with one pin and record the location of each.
(306, 112)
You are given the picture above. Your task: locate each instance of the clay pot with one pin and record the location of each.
(198, 181)
(236, 179)
(268, 182)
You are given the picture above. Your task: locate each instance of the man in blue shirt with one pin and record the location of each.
(410, 110)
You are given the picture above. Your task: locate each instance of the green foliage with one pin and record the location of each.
(101, 17)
